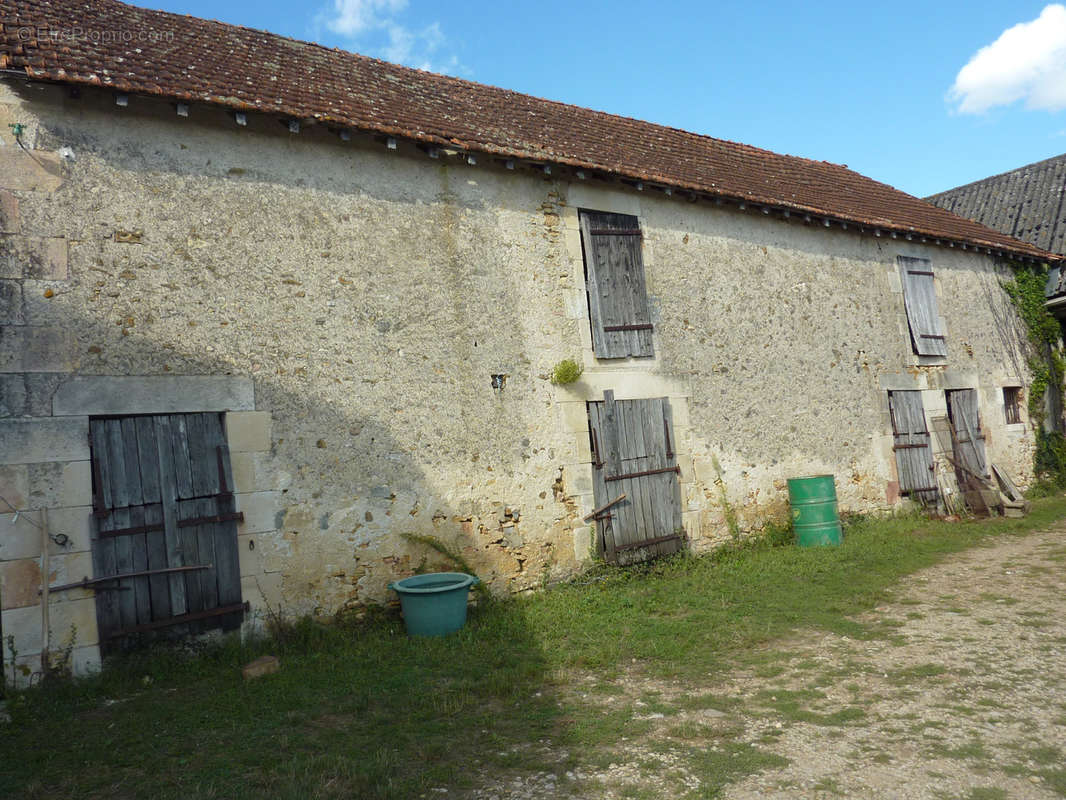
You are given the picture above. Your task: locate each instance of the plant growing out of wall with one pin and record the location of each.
(1046, 364)
(566, 371)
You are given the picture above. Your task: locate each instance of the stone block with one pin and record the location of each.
(10, 222)
(263, 594)
(23, 626)
(21, 539)
(72, 624)
(574, 417)
(583, 449)
(275, 551)
(577, 478)
(70, 568)
(243, 466)
(56, 484)
(586, 504)
(76, 523)
(679, 411)
(12, 395)
(155, 394)
(248, 554)
(583, 543)
(12, 309)
(14, 488)
(248, 431)
(85, 661)
(584, 195)
(20, 583)
(36, 348)
(19, 172)
(32, 441)
(576, 305)
(40, 386)
(253, 472)
(688, 471)
(690, 521)
(264, 665)
(260, 511)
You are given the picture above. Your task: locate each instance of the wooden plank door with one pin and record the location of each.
(912, 446)
(968, 441)
(164, 526)
(632, 447)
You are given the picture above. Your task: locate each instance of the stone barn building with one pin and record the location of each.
(268, 310)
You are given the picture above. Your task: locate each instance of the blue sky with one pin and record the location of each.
(923, 96)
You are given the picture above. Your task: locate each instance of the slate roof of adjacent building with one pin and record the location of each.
(1028, 203)
(139, 51)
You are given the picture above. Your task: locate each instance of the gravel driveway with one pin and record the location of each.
(964, 696)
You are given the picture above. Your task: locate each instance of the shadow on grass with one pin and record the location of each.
(361, 710)
(357, 710)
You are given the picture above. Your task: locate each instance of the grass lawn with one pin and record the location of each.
(362, 711)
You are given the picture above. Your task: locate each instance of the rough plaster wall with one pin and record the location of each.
(371, 295)
(783, 339)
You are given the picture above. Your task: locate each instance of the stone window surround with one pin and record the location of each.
(934, 386)
(630, 378)
(58, 446)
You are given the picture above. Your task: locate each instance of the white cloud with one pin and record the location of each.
(352, 17)
(375, 27)
(1027, 62)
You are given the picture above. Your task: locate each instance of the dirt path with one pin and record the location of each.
(964, 698)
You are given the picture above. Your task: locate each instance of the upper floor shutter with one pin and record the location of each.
(618, 298)
(923, 312)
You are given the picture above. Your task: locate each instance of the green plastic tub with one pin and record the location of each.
(814, 510)
(434, 604)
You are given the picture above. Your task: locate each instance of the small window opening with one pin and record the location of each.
(1012, 404)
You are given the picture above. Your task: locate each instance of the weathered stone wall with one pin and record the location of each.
(370, 295)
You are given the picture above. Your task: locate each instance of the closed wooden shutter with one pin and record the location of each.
(923, 312)
(614, 275)
(910, 435)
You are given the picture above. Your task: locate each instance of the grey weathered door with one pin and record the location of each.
(633, 454)
(911, 444)
(163, 513)
(614, 275)
(968, 441)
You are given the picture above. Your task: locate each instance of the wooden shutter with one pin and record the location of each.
(967, 438)
(164, 535)
(614, 274)
(633, 455)
(914, 456)
(923, 312)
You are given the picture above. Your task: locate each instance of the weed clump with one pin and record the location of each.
(566, 371)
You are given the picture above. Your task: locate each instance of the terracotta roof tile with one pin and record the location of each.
(158, 53)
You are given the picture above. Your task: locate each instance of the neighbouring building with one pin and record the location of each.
(267, 310)
(1028, 203)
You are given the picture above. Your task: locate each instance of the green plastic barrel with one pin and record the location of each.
(434, 604)
(814, 510)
